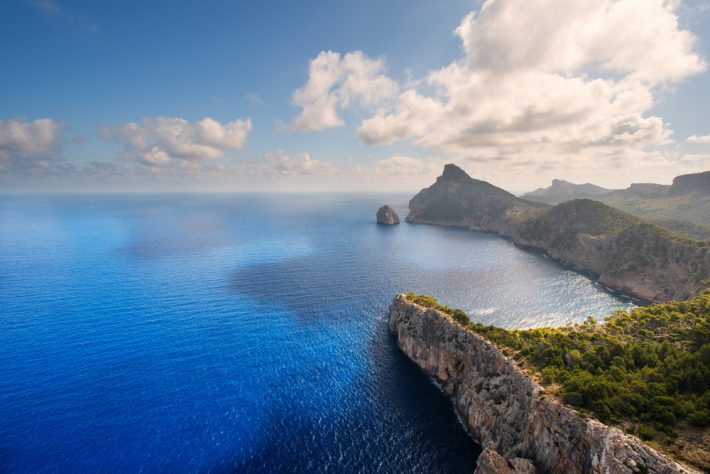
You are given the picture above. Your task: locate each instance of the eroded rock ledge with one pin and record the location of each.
(510, 414)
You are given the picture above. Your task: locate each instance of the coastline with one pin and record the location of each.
(593, 277)
(511, 414)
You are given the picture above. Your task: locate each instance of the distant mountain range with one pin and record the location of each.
(561, 191)
(683, 206)
(623, 251)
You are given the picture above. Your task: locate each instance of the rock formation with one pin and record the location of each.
(521, 428)
(386, 215)
(691, 183)
(622, 251)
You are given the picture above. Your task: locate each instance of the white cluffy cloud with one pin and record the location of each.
(17, 135)
(336, 83)
(29, 147)
(547, 80)
(155, 141)
(699, 138)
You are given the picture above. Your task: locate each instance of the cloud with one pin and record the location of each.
(54, 9)
(547, 80)
(155, 141)
(30, 147)
(254, 99)
(280, 163)
(41, 135)
(640, 38)
(699, 139)
(337, 83)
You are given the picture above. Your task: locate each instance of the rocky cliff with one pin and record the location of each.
(691, 183)
(622, 251)
(520, 427)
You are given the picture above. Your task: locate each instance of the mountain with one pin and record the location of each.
(622, 251)
(457, 198)
(691, 183)
(683, 207)
(561, 191)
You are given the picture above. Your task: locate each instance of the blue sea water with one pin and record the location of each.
(241, 333)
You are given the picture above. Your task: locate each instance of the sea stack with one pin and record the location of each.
(387, 216)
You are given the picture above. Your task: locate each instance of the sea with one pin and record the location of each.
(163, 333)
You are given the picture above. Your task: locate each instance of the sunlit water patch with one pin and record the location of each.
(241, 333)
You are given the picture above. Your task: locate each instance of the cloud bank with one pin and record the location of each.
(30, 147)
(281, 163)
(541, 84)
(157, 141)
(544, 78)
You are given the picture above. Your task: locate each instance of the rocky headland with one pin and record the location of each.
(387, 216)
(623, 252)
(520, 426)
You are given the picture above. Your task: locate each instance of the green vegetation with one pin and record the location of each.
(430, 302)
(696, 231)
(648, 369)
(659, 204)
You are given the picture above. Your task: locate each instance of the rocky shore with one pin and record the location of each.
(521, 428)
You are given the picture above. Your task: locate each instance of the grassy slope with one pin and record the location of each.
(647, 370)
(687, 213)
(661, 206)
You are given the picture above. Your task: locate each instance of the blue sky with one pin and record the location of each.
(92, 67)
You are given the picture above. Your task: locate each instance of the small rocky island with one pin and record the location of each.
(387, 216)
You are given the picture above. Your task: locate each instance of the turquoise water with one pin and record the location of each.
(240, 333)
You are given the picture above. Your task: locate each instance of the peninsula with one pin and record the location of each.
(645, 371)
(623, 252)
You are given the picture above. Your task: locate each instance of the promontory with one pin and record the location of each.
(621, 251)
(644, 373)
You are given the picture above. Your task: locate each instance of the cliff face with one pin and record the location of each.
(621, 250)
(507, 411)
(689, 183)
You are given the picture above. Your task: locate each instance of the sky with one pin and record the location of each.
(350, 96)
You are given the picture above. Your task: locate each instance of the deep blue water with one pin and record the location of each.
(237, 333)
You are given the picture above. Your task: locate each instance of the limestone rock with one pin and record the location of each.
(490, 462)
(508, 411)
(386, 215)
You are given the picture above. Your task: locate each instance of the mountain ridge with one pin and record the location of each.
(561, 190)
(683, 206)
(620, 250)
